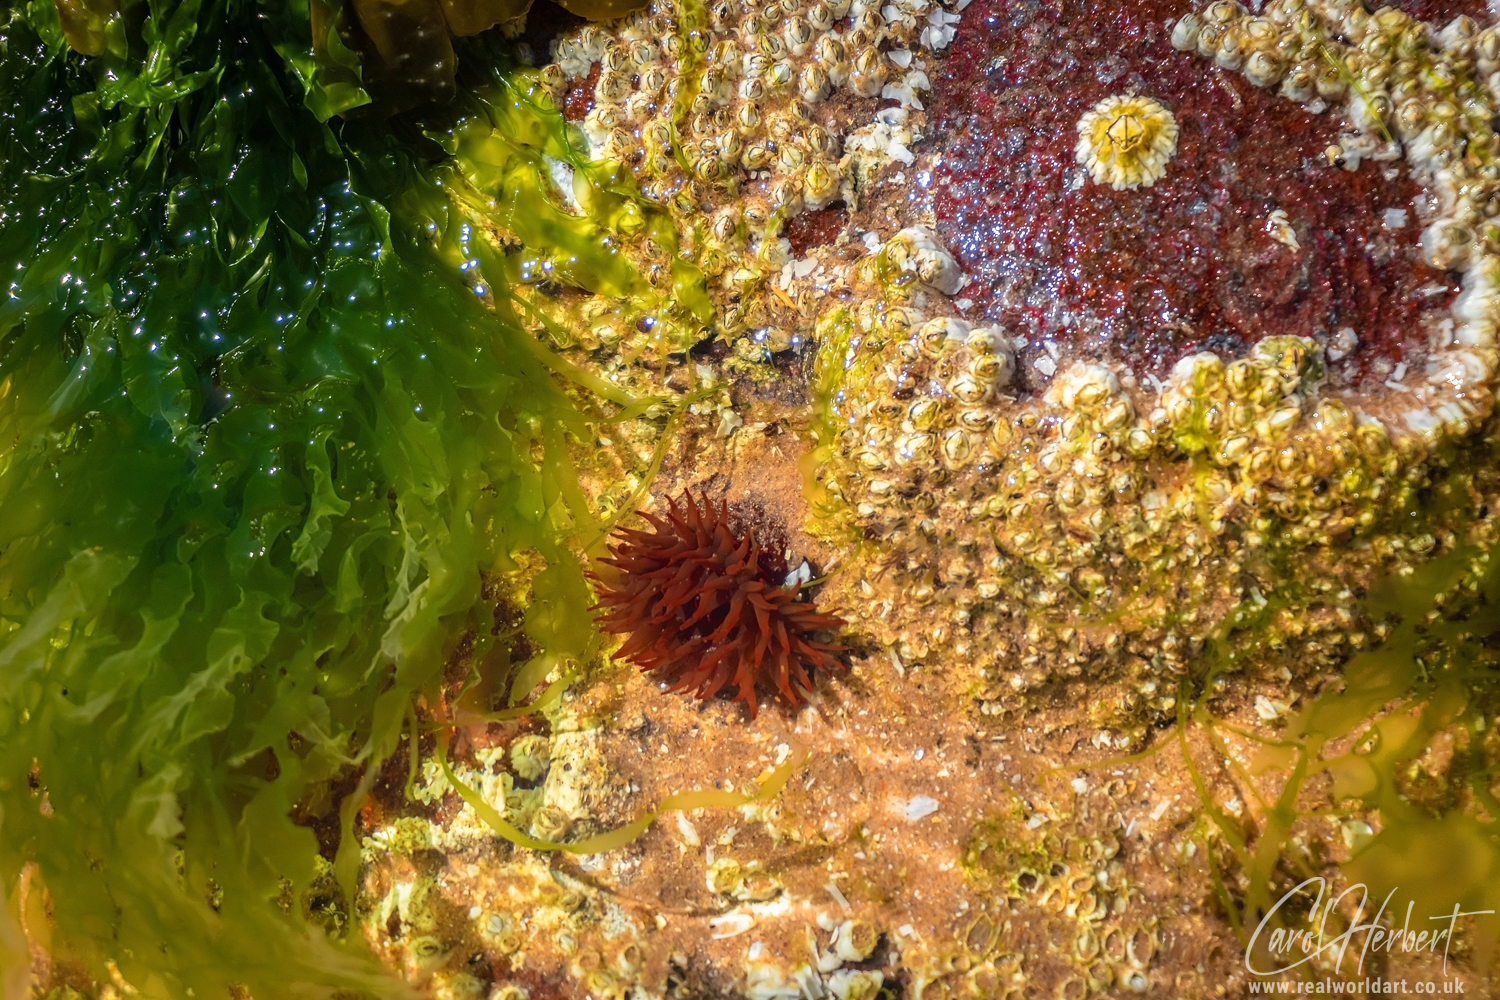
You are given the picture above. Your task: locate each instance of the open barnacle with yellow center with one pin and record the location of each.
(1126, 142)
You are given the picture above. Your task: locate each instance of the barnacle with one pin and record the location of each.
(1125, 142)
(530, 756)
(703, 606)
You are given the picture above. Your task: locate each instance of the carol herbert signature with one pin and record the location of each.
(1320, 936)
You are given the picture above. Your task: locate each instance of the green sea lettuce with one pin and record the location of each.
(270, 428)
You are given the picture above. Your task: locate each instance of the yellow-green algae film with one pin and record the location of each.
(271, 426)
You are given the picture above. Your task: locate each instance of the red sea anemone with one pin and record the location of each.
(703, 606)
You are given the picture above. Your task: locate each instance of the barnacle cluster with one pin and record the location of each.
(1102, 517)
(734, 118)
(1126, 142)
(706, 607)
(520, 915)
(441, 890)
(1074, 885)
(554, 787)
(830, 946)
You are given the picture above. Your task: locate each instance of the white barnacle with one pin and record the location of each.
(1126, 142)
(918, 250)
(1280, 228)
(1083, 387)
(1185, 32)
(1448, 245)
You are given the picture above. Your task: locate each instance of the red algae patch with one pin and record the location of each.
(1440, 12)
(1204, 259)
(816, 228)
(580, 97)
